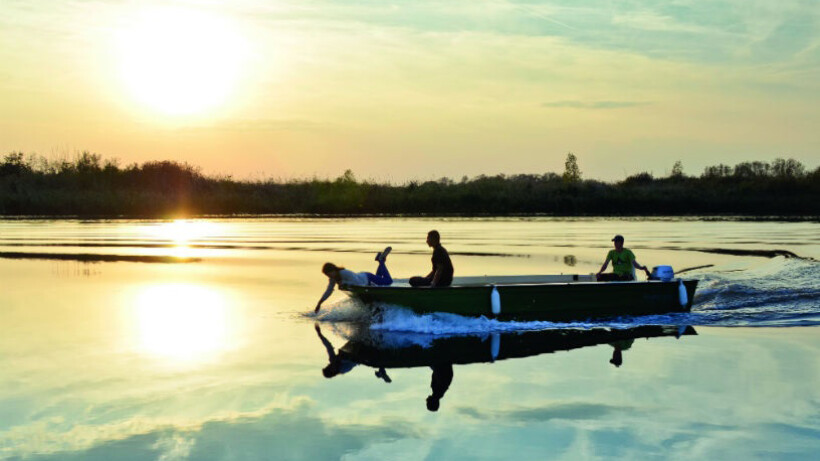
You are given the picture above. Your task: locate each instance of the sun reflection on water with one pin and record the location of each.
(182, 322)
(182, 233)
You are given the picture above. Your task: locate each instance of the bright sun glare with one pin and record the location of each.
(180, 61)
(183, 322)
(183, 232)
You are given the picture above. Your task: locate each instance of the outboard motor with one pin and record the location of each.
(663, 273)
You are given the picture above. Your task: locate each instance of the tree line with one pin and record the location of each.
(89, 186)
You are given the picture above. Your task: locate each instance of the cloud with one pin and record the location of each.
(171, 438)
(577, 411)
(652, 21)
(576, 104)
(174, 448)
(294, 433)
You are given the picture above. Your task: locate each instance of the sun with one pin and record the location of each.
(182, 322)
(179, 61)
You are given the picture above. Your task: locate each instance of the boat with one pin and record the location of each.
(539, 297)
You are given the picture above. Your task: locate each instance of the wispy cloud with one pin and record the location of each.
(652, 21)
(577, 104)
(174, 447)
(289, 428)
(538, 13)
(569, 411)
(169, 437)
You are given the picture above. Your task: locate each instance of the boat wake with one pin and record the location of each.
(347, 311)
(781, 292)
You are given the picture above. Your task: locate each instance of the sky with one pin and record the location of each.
(410, 90)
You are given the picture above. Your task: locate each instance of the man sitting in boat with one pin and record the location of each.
(340, 276)
(623, 262)
(440, 382)
(442, 273)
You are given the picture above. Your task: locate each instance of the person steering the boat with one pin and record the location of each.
(442, 273)
(623, 262)
(340, 276)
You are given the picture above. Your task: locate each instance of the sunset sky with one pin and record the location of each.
(413, 89)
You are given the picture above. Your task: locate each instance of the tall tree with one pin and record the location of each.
(571, 171)
(677, 170)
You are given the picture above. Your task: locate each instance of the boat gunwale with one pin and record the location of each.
(353, 288)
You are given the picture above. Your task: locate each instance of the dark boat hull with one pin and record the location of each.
(547, 301)
(375, 351)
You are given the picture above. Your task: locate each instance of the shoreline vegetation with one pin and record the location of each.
(89, 186)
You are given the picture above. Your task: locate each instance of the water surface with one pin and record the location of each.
(194, 340)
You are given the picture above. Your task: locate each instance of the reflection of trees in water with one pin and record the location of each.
(570, 260)
(75, 269)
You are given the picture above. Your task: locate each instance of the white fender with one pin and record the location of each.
(495, 301)
(682, 296)
(495, 345)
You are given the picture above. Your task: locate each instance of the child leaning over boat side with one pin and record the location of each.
(340, 276)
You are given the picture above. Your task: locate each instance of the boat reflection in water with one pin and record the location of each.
(383, 350)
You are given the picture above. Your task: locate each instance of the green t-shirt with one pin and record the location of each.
(621, 262)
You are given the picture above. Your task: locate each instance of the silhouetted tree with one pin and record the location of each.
(572, 173)
(749, 170)
(717, 171)
(347, 177)
(677, 170)
(89, 186)
(639, 178)
(788, 168)
(14, 164)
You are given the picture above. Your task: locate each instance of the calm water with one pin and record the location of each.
(148, 340)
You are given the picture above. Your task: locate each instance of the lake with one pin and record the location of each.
(196, 340)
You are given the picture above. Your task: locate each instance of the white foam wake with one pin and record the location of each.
(397, 319)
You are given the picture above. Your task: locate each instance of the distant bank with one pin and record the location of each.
(91, 187)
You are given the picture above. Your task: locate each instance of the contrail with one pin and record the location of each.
(534, 12)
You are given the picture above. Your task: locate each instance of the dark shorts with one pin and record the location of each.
(425, 282)
(612, 277)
